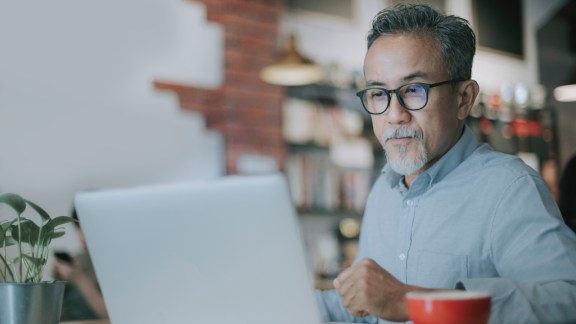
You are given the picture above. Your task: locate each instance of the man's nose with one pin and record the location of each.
(396, 113)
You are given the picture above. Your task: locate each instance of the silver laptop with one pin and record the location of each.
(220, 251)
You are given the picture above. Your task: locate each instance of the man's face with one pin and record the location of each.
(413, 140)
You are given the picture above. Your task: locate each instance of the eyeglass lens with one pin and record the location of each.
(411, 96)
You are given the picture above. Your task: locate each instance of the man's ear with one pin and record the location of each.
(467, 91)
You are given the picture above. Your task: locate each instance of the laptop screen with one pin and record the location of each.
(218, 251)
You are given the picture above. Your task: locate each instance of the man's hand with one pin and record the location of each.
(366, 289)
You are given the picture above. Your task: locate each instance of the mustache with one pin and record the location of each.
(402, 132)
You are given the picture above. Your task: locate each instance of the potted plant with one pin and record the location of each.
(24, 297)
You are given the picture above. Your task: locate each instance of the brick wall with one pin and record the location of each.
(244, 109)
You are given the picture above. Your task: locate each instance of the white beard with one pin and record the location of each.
(400, 162)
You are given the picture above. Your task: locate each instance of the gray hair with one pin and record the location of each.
(454, 35)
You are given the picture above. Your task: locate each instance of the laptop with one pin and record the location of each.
(214, 251)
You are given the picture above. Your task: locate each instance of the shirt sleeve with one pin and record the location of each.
(535, 255)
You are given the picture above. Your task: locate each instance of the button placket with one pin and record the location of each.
(410, 205)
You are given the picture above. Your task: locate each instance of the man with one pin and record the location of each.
(447, 212)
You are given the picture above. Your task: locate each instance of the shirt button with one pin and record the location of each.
(409, 202)
(402, 256)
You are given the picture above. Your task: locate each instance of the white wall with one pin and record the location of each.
(77, 105)
(345, 42)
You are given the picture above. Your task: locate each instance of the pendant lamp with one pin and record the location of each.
(291, 69)
(567, 92)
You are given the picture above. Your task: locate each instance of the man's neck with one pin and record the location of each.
(408, 179)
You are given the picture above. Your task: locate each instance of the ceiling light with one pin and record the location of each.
(292, 69)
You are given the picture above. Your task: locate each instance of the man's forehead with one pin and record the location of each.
(403, 58)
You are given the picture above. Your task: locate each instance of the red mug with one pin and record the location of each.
(448, 307)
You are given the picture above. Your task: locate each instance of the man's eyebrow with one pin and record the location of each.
(407, 78)
(414, 75)
(374, 83)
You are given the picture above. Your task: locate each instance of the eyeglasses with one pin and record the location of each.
(411, 96)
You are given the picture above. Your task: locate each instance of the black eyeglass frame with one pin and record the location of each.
(360, 94)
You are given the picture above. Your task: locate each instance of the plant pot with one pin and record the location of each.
(31, 303)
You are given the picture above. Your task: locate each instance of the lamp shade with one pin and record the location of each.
(565, 93)
(292, 69)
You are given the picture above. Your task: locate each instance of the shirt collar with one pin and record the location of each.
(458, 153)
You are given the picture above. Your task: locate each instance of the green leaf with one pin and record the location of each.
(5, 239)
(6, 224)
(34, 261)
(7, 274)
(50, 229)
(15, 201)
(2, 235)
(56, 234)
(29, 232)
(43, 214)
(9, 241)
(58, 221)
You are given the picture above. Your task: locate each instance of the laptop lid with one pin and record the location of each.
(220, 251)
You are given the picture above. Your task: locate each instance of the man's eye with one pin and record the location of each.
(376, 94)
(413, 90)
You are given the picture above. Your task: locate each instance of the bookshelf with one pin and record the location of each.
(320, 186)
(332, 160)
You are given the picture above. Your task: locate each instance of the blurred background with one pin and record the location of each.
(100, 94)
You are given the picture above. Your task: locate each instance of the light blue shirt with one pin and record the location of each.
(477, 217)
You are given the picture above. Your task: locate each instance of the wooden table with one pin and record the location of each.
(108, 322)
(88, 322)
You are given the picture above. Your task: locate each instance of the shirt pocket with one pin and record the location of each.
(440, 270)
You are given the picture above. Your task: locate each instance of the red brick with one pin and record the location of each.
(246, 110)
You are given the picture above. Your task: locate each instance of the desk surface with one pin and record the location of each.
(107, 322)
(88, 322)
